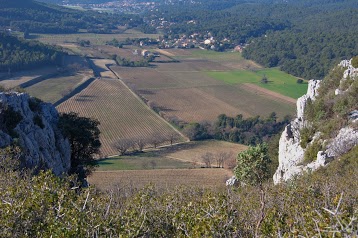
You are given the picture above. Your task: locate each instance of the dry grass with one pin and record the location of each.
(163, 178)
(194, 150)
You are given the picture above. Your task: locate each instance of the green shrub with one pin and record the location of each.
(307, 134)
(311, 152)
(355, 62)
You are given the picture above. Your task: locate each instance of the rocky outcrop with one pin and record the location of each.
(291, 154)
(36, 132)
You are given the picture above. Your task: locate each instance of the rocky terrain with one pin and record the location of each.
(32, 125)
(291, 152)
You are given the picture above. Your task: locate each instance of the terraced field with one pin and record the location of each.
(121, 113)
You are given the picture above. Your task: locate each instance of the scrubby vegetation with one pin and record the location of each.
(329, 112)
(44, 205)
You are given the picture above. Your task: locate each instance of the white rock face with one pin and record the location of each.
(350, 71)
(312, 92)
(232, 181)
(43, 147)
(291, 154)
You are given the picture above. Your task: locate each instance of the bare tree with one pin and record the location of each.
(156, 140)
(140, 143)
(222, 157)
(173, 137)
(207, 158)
(123, 145)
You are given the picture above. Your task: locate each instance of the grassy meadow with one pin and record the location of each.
(278, 81)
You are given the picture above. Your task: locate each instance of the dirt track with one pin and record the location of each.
(270, 93)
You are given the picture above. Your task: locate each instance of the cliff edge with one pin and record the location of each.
(32, 125)
(326, 124)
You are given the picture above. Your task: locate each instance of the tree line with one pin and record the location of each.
(19, 54)
(249, 131)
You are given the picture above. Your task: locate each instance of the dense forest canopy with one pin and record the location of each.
(18, 54)
(304, 38)
(46, 18)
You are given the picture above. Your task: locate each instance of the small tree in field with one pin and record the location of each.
(253, 169)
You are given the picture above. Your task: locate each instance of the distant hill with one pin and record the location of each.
(38, 17)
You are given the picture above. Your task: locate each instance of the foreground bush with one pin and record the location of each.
(322, 204)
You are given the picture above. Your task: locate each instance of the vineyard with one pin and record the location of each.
(121, 114)
(188, 91)
(53, 89)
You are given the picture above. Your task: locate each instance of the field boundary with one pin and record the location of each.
(75, 91)
(38, 80)
(250, 86)
(141, 101)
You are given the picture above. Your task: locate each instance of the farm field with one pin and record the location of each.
(141, 162)
(97, 39)
(232, 60)
(182, 155)
(161, 178)
(100, 67)
(53, 89)
(278, 81)
(25, 76)
(120, 113)
(188, 91)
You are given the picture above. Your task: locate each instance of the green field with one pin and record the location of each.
(146, 161)
(278, 81)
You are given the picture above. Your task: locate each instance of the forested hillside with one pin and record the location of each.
(18, 54)
(304, 38)
(35, 17)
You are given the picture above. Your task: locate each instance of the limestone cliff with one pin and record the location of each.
(33, 125)
(291, 153)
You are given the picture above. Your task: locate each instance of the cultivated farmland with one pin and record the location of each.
(162, 178)
(97, 39)
(53, 89)
(190, 90)
(182, 155)
(18, 78)
(120, 112)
